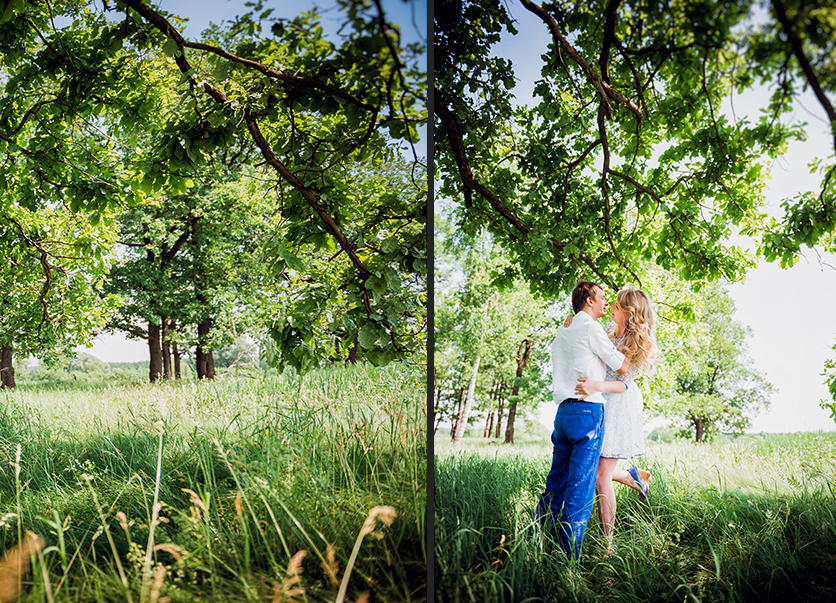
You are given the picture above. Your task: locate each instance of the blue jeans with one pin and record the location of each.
(570, 485)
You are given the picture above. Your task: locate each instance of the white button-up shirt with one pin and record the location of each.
(580, 350)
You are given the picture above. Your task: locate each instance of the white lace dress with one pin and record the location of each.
(623, 421)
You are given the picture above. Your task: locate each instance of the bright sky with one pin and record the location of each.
(411, 17)
(789, 311)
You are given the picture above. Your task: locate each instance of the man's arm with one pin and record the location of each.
(625, 366)
(602, 347)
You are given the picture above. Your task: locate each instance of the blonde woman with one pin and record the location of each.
(632, 331)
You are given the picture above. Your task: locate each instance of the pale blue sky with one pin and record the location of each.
(411, 17)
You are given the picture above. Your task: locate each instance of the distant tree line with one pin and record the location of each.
(492, 363)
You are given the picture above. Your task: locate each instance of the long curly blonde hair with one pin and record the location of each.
(639, 344)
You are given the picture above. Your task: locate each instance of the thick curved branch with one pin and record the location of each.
(330, 224)
(399, 67)
(168, 255)
(639, 86)
(656, 196)
(602, 132)
(132, 330)
(455, 132)
(606, 91)
(29, 113)
(609, 39)
(278, 75)
(825, 185)
(43, 258)
(809, 74)
(639, 92)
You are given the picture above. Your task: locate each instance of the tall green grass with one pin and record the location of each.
(244, 489)
(752, 520)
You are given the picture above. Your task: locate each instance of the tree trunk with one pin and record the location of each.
(176, 353)
(523, 354)
(352, 351)
(459, 409)
(499, 410)
(700, 425)
(7, 371)
(468, 405)
(166, 348)
(486, 433)
(438, 387)
(155, 352)
(204, 360)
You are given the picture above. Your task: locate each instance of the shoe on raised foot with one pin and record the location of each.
(634, 473)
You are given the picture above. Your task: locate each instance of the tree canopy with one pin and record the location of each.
(107, 106)
(55, 265)
(625, 155)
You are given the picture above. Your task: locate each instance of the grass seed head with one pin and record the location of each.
(383, 513)
(288, 588)
(15, 563)
(196, 500)
(172, 549)
(331, 566)
(158, 584)
(239, 506)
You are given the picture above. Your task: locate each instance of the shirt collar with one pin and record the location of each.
(583, 317)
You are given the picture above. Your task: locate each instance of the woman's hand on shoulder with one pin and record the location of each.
(568, 321)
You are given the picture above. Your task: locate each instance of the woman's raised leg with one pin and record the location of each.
(622, 477)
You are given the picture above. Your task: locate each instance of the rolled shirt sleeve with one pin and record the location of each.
(602, 347)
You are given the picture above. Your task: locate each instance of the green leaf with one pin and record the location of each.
(397, 128)
(354, 116)
(293, 262)
(376, 284)
(221, 70)
(390, 245)
(170, 48)
(367, 336)
(394, 280)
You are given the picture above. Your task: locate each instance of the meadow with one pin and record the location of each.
(749, 519)
(254, 487)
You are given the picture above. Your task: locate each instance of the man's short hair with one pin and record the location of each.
(583, 291)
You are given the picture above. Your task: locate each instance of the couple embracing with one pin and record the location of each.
(599, 408)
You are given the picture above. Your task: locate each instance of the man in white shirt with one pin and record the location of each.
(580, 350)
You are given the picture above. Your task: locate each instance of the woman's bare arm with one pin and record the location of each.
(586, 387)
